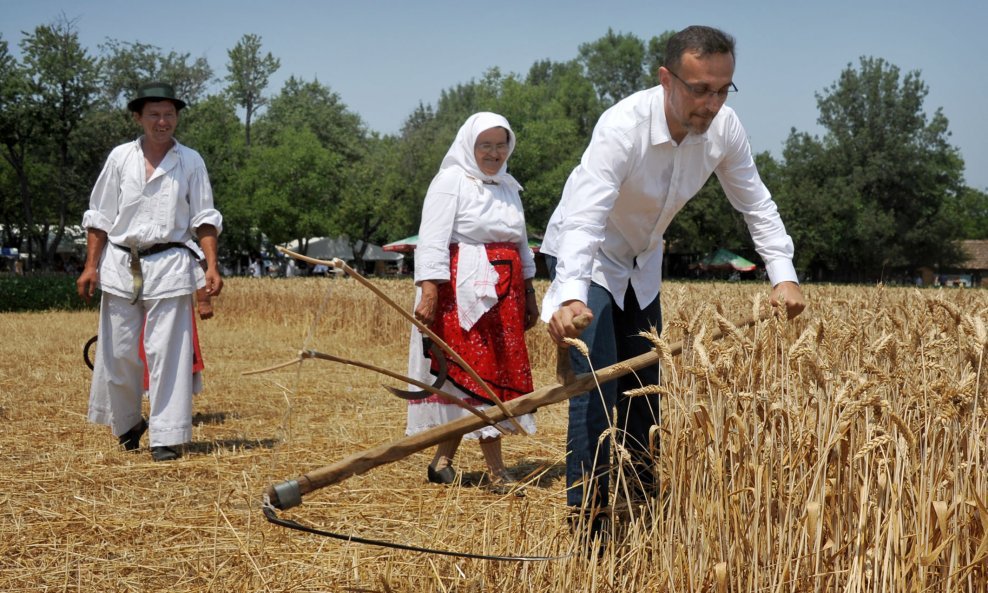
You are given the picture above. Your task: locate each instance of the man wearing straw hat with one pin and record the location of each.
(151, 201)
(649, 154)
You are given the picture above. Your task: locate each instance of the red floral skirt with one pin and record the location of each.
(495, 346)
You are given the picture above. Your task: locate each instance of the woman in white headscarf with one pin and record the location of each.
(474, 270)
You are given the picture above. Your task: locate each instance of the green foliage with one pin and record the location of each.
(248, 76)
(47, 125)
(881, 189)
(552, 112)
(706, 223)
(377, 206)
(969, 211)
(288, 189)
(213, 129)
(125, 66)
(305, 166)
(619, 64)
(655, 56)
(316, 107)
(873, 195)
(549, 143)
(41, 292)
(614, 63)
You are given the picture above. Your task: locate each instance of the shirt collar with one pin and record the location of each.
(659, 129)
(139, 144)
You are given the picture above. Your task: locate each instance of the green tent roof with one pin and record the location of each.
(723, 259)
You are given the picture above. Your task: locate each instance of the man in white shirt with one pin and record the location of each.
(152, 199)
(649, 154)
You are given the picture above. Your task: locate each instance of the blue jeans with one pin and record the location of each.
(611, 337)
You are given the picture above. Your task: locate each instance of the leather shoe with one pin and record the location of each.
(505, 483)
(164, 453)
(446, 475)
(131, 440)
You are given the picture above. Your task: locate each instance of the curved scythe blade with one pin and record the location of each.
(437, 355)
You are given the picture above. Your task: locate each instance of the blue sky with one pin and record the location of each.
(385, 57)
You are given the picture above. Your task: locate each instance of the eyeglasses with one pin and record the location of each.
(702, 92)
(488, 147)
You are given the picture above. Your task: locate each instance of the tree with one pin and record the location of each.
(336, 135)
(655, 56)
(318, 108)
(969, 209)
(379, 205)
(14, 125)
(549, 140)
(620, 64)
(248, 76)
(287, 190)
(420, 151)
(572, 91)
(125, 66)
(709, 222)
(871, 196)
(552, 112)
(45, 117)
(212, 128)
(614, 65)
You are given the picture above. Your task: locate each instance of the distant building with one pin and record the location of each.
(976, 264)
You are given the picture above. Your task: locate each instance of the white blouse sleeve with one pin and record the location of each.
(438, 216)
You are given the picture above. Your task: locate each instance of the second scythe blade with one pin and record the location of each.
(437, 355)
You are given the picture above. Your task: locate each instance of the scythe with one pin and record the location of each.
(288, 494)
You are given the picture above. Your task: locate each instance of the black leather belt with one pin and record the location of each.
(135, 262)
(156, 248)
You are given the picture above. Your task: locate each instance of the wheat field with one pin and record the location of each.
(841, 451)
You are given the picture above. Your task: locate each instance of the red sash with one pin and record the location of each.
(197, 364)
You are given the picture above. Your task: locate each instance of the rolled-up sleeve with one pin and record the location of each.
(201, 200)
(104, 201)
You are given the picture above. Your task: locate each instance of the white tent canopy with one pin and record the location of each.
(339, 247)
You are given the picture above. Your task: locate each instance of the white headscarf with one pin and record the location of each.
(461, 153)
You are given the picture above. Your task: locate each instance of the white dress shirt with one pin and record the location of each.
(166, 208)
(632, 180)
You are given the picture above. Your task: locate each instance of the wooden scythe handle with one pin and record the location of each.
(289, 493)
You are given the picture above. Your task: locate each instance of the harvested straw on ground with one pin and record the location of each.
(843, 451)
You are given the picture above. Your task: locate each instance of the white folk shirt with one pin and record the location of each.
(459, 208)
(632, 180)
(135, 210)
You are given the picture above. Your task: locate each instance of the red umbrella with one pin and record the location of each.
(408, 244)
(405, 245)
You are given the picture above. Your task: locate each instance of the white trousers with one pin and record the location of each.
(118, 376)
